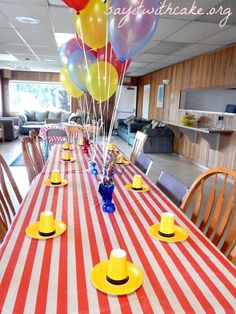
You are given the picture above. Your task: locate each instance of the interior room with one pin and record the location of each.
(117, 156)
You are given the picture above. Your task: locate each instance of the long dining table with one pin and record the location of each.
(52, 276)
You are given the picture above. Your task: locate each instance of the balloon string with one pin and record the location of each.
(85, 123)
(117, 100)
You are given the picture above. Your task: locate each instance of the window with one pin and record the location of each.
(37, 95)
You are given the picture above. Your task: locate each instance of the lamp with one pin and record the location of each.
(166, 82)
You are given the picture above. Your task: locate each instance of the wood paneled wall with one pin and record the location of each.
(216, 70)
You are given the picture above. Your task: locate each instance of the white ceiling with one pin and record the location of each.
(34, 48)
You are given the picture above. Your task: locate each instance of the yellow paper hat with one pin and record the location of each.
(137, 185)
(46, 227)
(66, 145)
(116, 276)
(167, 231)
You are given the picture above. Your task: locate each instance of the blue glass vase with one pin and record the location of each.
(106, 193)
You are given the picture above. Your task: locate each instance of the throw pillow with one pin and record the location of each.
(40, 116)
(30, 115)
(54, 115)
(149, 126)
(65, 116)
(128, 120)
(155, 124)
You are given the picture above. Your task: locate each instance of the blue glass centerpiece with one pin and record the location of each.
(93, 167)
(106, 192)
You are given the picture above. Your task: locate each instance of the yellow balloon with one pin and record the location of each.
(90, 24)
(101, 80)
(68, 85)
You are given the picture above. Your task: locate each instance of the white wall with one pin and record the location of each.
(127, 103)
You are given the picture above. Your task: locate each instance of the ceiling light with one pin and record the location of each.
(62, 38)
(50, 60)
(7, 57)
(27, 20)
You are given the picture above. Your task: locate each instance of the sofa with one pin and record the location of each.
(10, 128)
(159, 140)
(40, 117)
(127, 128)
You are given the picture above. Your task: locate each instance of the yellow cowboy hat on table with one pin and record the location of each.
(137, 185)
(167, 231)
(67, 146)
(121, 161)
(55, 180)
(116, 276)
(46, 227)
(67, 157)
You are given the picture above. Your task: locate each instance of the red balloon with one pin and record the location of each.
(78, 5)
(107, 54)
(86, 47)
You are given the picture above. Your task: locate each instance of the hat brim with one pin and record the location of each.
(48, 182)
(180, 234)
(32, 230)
(145, 188)
(72, 159)
(124, 163)
(98, 279)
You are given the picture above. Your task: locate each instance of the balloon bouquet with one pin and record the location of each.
(108, 34)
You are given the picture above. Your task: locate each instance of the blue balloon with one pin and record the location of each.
(132, 23)
(77, 67)
(66, 50)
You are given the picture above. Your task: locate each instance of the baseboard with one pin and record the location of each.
(204, 168)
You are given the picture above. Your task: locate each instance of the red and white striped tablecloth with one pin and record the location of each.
(53, 276)
(51, 139)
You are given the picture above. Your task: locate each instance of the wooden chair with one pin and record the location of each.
(139, 141)
(143, 162)
(74, 132)
(55, 136)
(3, 230)
(172, 187)
(31, 156)
(33, 134)
(213, 206)
(8, 191)
(2, 132)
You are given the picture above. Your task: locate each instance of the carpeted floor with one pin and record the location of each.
(19, 161)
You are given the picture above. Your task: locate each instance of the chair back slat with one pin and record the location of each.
(198, 203)
(139, 141)
(224, 219)
(218, 217)
(232, 255)
(39, 160)
(3, 230)
(210, 204)
(218, 209)
(8, 190)
(230, 240)
(28, 153)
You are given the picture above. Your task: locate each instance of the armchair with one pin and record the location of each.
(10, 129)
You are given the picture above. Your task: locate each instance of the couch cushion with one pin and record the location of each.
(34, 123)
(65, 116)
(40, 116)
(155, 124)
(30, 115)
(54, 114)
